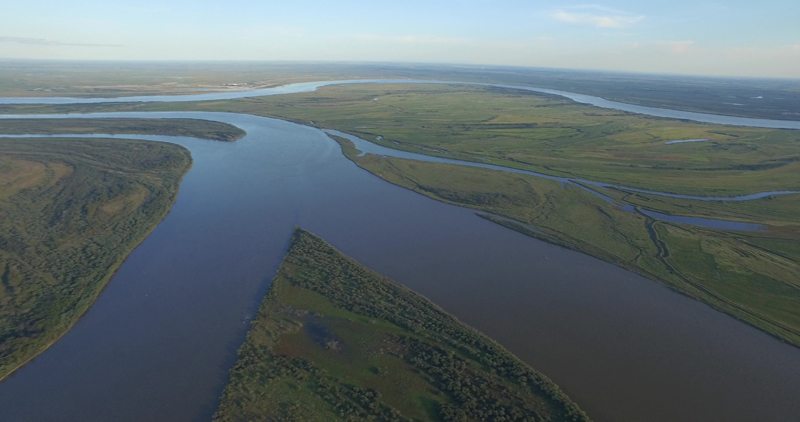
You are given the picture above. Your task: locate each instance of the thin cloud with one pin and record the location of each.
(597, 16)
(679, 47)
(434, 42)
(410, 39)
(44, 41)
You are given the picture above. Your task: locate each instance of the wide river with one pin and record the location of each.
(158, 343)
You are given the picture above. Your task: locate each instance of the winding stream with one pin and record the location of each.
(158, 343)
(313, 86)
(367, 147)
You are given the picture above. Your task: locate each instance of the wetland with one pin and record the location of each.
(576, 319)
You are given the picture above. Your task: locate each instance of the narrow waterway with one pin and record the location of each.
(367, 147)
(158, 343)
(313, 86)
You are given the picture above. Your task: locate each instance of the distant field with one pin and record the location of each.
(85, 80)
(754, 276)
(71, 210)
(544, 133)
(123, 79)
(749, 97)
(529, 131)
(746, 97)
(336, 341)
(172, 127)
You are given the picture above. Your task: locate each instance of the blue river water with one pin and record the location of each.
(683, 141)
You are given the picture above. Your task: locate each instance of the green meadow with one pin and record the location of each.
(543, 133)
(529, 131)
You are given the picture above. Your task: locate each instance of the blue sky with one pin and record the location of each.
(736, 38)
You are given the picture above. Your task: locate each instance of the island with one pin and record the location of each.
(334, 340)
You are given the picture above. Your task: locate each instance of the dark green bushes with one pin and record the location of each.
(70, 212)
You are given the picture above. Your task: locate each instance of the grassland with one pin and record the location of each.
(764, 98)
(523, 130)
(194, 128)
(29, 78)
(71, 210)
(336, 341)
(754, 276)
(86, 80)
(547, 134)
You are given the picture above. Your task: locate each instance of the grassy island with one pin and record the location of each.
(334, 340)
(194, 128)
(71, 210)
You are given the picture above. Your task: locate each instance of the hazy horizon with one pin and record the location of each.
(732, 38)
(398, 64)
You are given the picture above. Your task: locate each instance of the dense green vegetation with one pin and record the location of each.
(336, 341)
(754, 276)
(546, 134)
(71, 210)
(194, 128)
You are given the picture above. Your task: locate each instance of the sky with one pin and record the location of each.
(724, 38)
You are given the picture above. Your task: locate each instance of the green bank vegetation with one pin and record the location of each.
(71, 210)
(194, 128)
(754, 276)
(336, 341)
(530, 131)
(547, 134)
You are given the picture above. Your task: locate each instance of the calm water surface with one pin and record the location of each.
(158, 343)
(312, 86)
(683, 141)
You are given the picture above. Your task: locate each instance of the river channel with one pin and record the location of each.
(158, 343)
